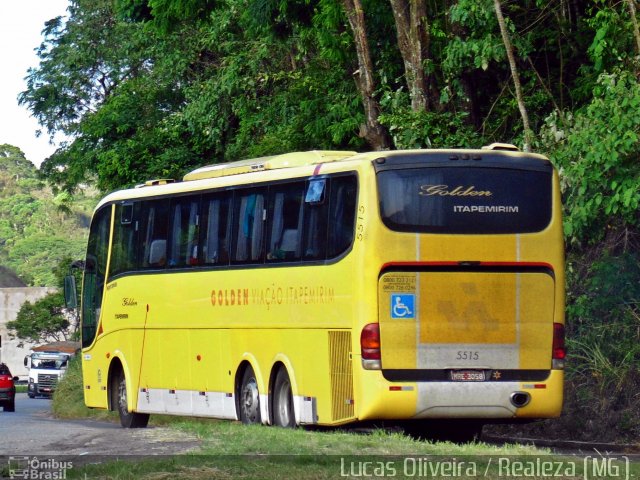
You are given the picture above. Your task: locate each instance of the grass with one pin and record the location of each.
(232, 450)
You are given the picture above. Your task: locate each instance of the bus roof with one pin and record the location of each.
(192, 181)
(294, 159)
(313, 157)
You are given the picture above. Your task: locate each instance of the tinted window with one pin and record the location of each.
(316, 216)
(216, 226)
(183, 238)
(154, 233)
(285, 217)
(285, 222)
(249, 214)
(342, 214)
(95, 273)
(123, 255)
(465, 200)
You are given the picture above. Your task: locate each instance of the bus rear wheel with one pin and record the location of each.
(128, 419)
(283, 413)
(249, 398)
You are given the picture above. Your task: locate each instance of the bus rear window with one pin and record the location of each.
(470, 200)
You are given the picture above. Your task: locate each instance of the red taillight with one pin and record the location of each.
(370, 341)
(559, 350)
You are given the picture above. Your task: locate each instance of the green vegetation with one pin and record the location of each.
(47, 319)
(175, 84)
(37, 229)
(42, 321)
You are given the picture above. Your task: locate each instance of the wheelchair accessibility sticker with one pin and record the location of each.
(403, 305)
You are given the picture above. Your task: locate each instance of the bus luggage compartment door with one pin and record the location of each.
(465, 325)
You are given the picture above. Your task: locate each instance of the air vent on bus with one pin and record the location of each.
(501, 146)
(342, 407)
(153, 183)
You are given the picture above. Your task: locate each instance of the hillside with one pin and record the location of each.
(37, 228)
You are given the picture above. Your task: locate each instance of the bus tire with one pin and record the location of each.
(249, 398)
(283, 412)
(128, 419)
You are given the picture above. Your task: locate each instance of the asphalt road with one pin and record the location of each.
(32, 430)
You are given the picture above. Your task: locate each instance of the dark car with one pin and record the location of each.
(7, 389)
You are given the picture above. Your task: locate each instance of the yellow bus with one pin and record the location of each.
(329, 287)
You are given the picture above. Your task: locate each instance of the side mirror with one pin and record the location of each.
(16, 379)
(70, 292)
(26, 361)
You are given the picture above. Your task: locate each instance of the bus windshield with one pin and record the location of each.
(469, 200)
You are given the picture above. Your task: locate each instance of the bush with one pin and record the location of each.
(68, 399)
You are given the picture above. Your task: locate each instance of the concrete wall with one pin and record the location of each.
(11, 299)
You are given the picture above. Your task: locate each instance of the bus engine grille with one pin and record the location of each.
(341, 377)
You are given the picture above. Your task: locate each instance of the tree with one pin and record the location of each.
(17, 174)
(102, 81)
(631, 4)
(34, 232)
(372, 130)
(412, 30)
(515, 76)
(601, 178)
(43, 321)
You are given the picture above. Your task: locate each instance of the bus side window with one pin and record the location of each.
(342, 214)
(154, 233)
(126, 225)
(249, 213)
(316, 215)
(216, 215)
(183, 238)
(285, 222)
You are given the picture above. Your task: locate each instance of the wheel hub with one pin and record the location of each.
(251, 401)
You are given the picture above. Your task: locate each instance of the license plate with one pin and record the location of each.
(468, 376)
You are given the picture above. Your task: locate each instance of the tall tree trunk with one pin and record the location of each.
(372, 131)
(469, 84)
(413, 42)
(634, 21)
(528, 134)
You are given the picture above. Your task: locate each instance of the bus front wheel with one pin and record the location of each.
(283, 413)
(249, 398)
(128, 419)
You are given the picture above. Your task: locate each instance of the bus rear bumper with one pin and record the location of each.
(481, 400)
